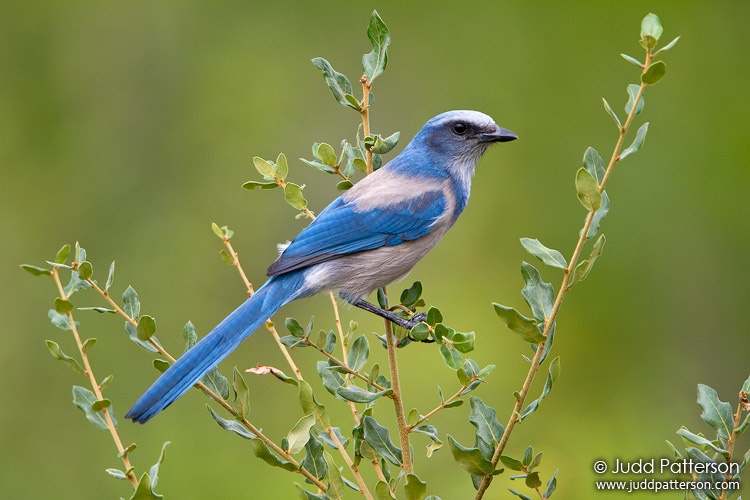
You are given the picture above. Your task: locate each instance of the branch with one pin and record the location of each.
(562, 292)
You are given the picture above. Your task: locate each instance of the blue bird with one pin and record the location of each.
(370, 236)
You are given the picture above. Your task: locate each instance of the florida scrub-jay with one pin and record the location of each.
(370, 236)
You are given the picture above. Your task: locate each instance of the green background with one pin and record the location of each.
(131, 126)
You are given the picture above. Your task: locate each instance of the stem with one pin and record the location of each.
(730, 444)
(350, 464)
(96, 387)
(562, 292)
(403, 428)
(365, 113)
(439, 407)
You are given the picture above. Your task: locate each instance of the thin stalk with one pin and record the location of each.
(96, 387)
(439, 407)
(350, 464)
(365, 113)
(561, 293)
(398, 405)
(730, 444)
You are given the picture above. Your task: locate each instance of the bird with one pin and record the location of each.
(370, 236)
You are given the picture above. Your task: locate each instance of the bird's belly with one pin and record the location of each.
(357, 275)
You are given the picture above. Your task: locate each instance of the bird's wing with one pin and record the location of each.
(343, 228)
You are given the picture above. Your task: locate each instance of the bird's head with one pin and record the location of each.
(452, 143)
(462, 133)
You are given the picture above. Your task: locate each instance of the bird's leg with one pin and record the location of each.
(408, 324)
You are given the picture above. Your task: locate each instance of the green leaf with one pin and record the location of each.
(85, 399)
(668, 46)
(420, 332)
(153, 472)
(310, 405)
(282, 167)
(189, 335)
(293, 196)
(383, 491)
(411, 295)
(415, 488)
(217, 382)
(525, 327)
(110, 276)
(85, 270)
(331, 379)
(470, 459)
(640, 136)
(359, 395)
(294, 327)
(654, 73)
(161, 365)
(303, 494)
(63, 306)
(250, 185)
(300, 434)
(320, 166)
(62, 254)
(519, 495)
(231, 425)
(375, 62)
(241, 394)
(451, 356)
(57, 353)
(314, 461)
(464, 342)
(325, 153)
(382, 146)
(716, 413)
(599, 215)
(701, 441)
(511, 463)
(344, 186)
(431, 432)
(336, 486)
(264, 168)
(434, 316)
(489, 430)
(633, 60)
(146, 327)
(594, 164)
(651, 30)
(551, 485)
(612, 113)
(379, 439)
(588, 190)
(583, 269)
(262, 452)
(144, 490)
(539, 295)
(339, 84)
(547, 255)
(116, 473)
(59, 320)
(217, 230)
(533, 481)
(36, 271)
(132, 306)
(359, 353)
(633, 90)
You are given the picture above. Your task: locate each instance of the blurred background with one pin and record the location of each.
(130, 127)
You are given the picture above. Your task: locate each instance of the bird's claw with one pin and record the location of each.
(413, 321)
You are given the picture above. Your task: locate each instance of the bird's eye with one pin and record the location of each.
(460, 128)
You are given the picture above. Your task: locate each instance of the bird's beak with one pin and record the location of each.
(499, 135)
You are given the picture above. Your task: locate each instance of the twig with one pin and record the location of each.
(365, 113)
(95, 385)
(562, 292)
(398, 405)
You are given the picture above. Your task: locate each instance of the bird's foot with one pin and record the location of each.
(411, 322)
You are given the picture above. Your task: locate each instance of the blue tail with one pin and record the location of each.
(217, 345)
